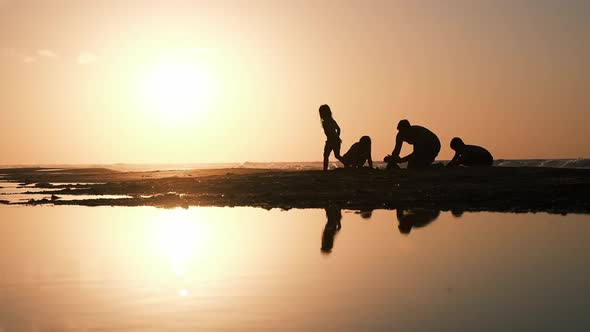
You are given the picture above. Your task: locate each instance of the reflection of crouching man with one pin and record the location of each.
(358, 154)
(414, 218)
(426, 146)
(469, 155)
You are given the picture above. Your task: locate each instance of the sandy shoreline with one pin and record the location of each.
(495, 189)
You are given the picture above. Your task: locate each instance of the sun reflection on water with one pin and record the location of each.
(179, 237)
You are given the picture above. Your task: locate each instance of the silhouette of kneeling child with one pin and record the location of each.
(359, 154)
(469, 155)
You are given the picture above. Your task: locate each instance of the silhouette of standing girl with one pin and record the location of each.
(332, 131)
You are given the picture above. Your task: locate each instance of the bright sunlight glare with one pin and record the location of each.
(177, 90)
(179, 238)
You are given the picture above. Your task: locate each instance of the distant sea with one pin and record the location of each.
(581, 163)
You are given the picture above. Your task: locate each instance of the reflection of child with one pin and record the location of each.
(333, 225)
(332, 131)
(358, 154)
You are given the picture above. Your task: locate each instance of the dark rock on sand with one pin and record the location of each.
(44, 185)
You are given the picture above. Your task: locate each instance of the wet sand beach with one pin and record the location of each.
(500, 189)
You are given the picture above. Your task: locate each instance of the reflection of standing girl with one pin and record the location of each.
(332, 131)
(334, 216)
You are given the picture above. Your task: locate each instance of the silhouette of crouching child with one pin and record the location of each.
(358, 154)
(469, 155)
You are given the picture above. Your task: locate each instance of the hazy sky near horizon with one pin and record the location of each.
(228, 81)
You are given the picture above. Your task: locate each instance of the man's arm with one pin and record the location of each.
(370, 160)
(398, 146)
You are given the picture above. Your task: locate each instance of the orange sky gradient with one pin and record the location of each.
(231, 81)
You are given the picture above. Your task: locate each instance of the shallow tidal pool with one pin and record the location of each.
(69, 268)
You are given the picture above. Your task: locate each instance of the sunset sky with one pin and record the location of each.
(130, 81)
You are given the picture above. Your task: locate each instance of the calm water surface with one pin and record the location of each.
(147, 269)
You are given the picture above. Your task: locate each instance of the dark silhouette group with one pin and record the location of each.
(426, 147)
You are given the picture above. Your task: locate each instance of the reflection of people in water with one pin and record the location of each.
(366, 214)
(415, 218)
(334, 216)
(457, 213)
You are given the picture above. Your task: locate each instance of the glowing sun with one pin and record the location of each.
(177, 90)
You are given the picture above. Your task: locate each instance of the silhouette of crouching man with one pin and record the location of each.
(426, 146)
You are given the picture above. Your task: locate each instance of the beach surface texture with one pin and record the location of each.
(502, 189)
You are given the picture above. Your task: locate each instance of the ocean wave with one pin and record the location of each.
(553, 163)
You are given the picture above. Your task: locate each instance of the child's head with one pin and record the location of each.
(365, 140)
(325, 112)
(457, 144)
